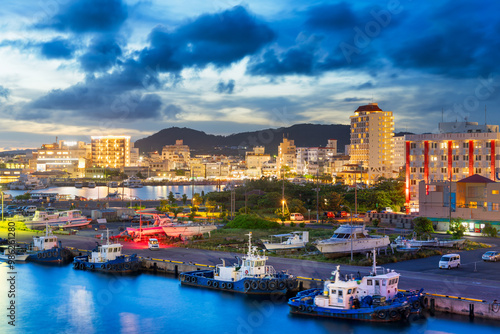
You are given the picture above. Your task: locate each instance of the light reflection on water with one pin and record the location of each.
(144, 193)
(53, 299)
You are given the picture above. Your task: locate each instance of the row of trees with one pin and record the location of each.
(266, 194)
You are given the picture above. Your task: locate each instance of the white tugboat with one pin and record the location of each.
(293, 240)
(107, 258)
(47, 249)
(372, 298)
(250, 275)
(346, 237)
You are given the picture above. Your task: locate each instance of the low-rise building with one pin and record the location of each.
(475, 200)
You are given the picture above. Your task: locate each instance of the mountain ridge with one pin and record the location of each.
(304, 135)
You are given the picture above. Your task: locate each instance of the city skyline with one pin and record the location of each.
(129, 67)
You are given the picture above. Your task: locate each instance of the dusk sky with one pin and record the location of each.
(73, 69)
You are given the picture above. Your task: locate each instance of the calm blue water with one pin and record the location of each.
(144, 193)
(51, 299)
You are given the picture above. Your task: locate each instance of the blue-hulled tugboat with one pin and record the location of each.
(108, 258)
(250, 275)
(47, 249)
(372, 298)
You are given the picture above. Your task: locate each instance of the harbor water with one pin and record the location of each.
(59, 299)
(144, 193)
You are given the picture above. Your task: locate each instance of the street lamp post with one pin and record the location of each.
(1, 192)
(351, 236)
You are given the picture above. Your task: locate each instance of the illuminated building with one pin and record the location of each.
(111, 151)
(460, 150)
(372, 145)
(178, 155)
(286, 155)
(67, 156)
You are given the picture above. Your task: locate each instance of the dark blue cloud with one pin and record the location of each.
(332, 17)
(101, 55)
(456, 39)
(172, 111)
(58, 48)
(218, 39)
(366, 85)
(225, 88)
(4, 92)
(83, 16)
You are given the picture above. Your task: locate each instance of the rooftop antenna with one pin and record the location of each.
(442, 115)
(485, 115)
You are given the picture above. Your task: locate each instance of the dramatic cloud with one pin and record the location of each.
(101, 55)
(218, 39)
(57, 48)
(225, 88)
(458, 43)
(87, 16)
(170, 62)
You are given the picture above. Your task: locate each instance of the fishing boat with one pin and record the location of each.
(373, 298)
(27, 182)
(108, 258)
(163, 224)
(132, 182)
(41, 218)
(294, 240)
(402, 242)
(347, 238)
(113, 184)
(47, 249)
(12, 253)
(250, 275)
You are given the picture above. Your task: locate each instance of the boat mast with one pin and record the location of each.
(249, 244)
(374, 266)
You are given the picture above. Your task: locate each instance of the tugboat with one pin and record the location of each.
(108, 258)
(372, 298)
(250, 275)
(46, 249)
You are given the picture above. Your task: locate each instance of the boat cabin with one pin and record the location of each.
(44, 242)
(71, 214)
(346, 232)
(252, 265)
(104, 253)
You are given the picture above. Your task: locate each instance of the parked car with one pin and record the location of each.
(491, 256)
(449, 261)
(51, 210)
(29, 210)
(296, 216)
(329, 214)
(386, 210)
(153, 244)
(344, 214)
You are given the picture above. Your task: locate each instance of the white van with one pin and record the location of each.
(153, 244)
(296, 216)
(449, 261)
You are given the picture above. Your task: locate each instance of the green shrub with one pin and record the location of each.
(252, 222)
(375, 222)
(489, 230)
(302, 224)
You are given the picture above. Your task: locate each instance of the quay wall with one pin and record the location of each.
(463, 306)
(432, 302)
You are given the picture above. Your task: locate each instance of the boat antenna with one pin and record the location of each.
(107, 236)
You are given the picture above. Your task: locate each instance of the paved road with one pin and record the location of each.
(474, 279)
